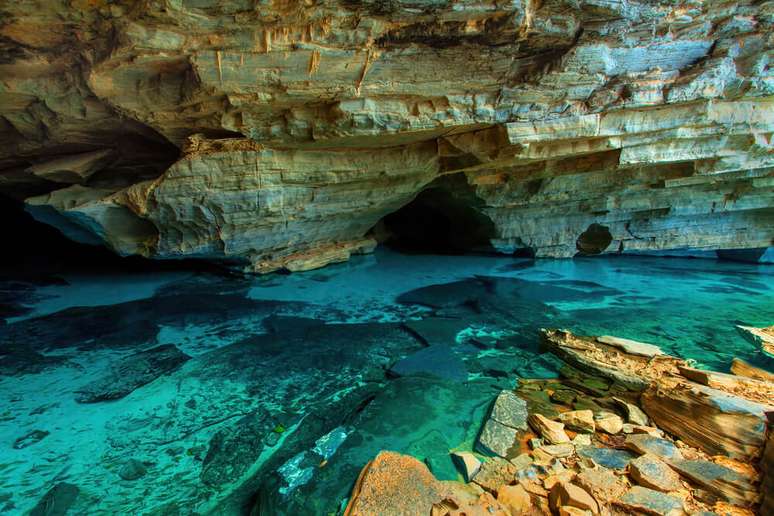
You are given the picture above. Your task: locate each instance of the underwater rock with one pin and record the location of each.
(57, 501)
(132, 372)
(30, 438)
(438, 360)
(133, 469)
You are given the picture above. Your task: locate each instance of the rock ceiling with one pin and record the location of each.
(277, 133)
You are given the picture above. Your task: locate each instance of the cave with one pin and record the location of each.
(444, 218)
(594, 240)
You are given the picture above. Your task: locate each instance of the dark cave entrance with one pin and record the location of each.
(445, 218)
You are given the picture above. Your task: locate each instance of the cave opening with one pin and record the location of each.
(445, 218)
(594, 240)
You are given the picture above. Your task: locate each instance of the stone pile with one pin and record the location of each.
(626, 429)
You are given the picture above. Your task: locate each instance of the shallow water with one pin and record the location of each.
(287, 392)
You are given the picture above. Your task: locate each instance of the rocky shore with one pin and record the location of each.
(626, 429)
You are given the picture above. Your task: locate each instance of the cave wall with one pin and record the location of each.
(276, 133)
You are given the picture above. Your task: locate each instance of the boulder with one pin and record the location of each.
(648, 471)
(579, 420)
(467, 463)
(710, 419)
(643, 500)
(551, 431)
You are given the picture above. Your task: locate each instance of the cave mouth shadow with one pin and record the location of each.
(445, 218)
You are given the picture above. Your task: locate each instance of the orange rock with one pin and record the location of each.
(514, 498)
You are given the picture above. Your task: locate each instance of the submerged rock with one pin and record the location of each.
(57, 501)
(438, 360)
(30, 438)
(131, 373)
(133, 469)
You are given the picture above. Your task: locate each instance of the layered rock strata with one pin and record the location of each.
(581, 127)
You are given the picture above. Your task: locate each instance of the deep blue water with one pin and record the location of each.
(292, 383)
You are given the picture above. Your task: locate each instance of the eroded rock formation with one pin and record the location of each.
(276, 134)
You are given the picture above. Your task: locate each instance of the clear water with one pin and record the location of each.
(287, 392)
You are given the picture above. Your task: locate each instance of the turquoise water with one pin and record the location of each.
(290, 383)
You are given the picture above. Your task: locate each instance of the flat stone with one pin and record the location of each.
(634, 414)
(510, 410)
(562, 477)
(649, 471)
(467, 463)
(645, 443)
(559, 450)
(719, 480)
(498, 439)
(514, 498)
(566, 494)
(563, 396)
(132, 372)
(648, 501)
(495, 472)
(607, 457)
(579, 420)
(582, 440)
(552, 431)
(632, 347)
(608, 422)
(438, 360)
(602, 483)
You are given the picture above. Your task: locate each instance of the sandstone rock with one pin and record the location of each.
(522, 461)
(498, 439)
(567, 510)
(580, 420)
(710, 419)
(394, 483)
(581, 440)
(742, 368)
(634, 414)
(602, 483)
(648, 471)
(761, 337)
(669, 123)
(767, 467)
(552, 431)
(566, 494)
(467, 463)
(562, 477)
(723, 482)
(515, 498)
(631, 346)
(645, 443)
(559, 450)
(608, 422)
(647, 501)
